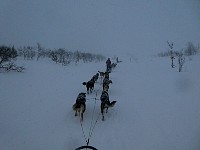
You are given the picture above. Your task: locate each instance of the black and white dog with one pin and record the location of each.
(104, 74)
(89, 85)
(95, 77)
(106, 83)
(101, 73)
(105, 103)
(80, 106)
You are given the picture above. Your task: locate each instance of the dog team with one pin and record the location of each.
(80, 105)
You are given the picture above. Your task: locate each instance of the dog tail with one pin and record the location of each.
(82, 107)
(112, 103)
(84, 83)
(74, 107)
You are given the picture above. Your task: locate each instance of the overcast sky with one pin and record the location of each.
(112, 26)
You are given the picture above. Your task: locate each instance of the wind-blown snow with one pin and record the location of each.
(157, 107)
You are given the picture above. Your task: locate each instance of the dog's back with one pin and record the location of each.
(89, 85)
(95, 77)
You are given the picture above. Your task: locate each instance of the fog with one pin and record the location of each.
(101, 26)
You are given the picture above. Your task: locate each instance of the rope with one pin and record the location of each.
(92, 126)
(83, 132)
(92, 117)
(92, 98)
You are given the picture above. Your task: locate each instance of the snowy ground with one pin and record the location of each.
(157, 107)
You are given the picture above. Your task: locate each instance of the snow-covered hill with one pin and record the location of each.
(157, 107)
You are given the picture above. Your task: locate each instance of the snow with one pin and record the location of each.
(157, 107)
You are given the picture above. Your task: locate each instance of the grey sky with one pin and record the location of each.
(132, 26)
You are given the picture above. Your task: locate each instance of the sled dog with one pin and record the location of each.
(80, 106)
(89, 85)
(104, 107)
